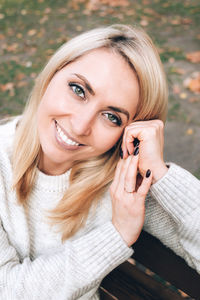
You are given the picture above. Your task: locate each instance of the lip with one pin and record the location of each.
(62, 143)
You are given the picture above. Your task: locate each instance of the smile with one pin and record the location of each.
(64, 138)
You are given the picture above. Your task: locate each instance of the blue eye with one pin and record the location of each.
(113, 118)
(77, 89)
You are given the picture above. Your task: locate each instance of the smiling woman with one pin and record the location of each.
(82, 107)
(76, 207)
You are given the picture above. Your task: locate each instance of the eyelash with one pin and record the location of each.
(73, 86)
(117, 120)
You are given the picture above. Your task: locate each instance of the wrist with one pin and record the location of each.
(159, 172)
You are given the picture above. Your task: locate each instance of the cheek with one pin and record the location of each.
(107, 140)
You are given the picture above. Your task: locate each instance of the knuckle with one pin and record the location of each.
(152, 131)
(128, 183)
(160, 124)
(142, 193)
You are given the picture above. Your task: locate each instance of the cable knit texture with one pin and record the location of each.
(36, 265)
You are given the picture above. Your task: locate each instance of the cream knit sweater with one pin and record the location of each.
(36, 265)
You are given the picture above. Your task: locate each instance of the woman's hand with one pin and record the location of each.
(151, 137)
(128, 192)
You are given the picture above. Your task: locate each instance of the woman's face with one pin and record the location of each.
(85, 109)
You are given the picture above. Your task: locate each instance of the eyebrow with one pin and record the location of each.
(91, 91)
(87, 84)
(121, 110)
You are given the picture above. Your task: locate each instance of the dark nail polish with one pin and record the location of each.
(136, 142)
(136, 151)
(148, 173)
(121, 153)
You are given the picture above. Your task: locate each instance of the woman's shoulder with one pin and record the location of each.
(7, 130)
(8, 126)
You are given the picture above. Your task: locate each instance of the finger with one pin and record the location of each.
(128, 143)
(132, 140)
(145, 185)
(120, 172)
(131, 174)
(115, 181)
(121, 180)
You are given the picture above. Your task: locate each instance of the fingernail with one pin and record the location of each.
(136, 151)
(148, 173)
(136, 142)
(121, 153)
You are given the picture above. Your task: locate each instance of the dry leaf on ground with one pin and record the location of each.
(193, 56)
(193, 82)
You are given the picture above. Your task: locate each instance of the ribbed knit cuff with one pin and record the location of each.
(177, 192)
(104, 250)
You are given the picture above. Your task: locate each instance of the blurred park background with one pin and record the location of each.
(31, 30)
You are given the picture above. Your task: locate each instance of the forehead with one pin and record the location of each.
(110, 76)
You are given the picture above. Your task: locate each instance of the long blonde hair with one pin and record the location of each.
(88, 179)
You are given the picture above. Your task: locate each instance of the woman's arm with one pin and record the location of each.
(71, 271)
(178, 193)
(173, 213)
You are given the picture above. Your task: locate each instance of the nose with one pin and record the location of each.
(82, 122)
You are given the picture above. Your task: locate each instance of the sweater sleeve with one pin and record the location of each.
(178, 192)
(70, 272)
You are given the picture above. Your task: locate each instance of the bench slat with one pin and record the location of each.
(151, 253)
(128, 283)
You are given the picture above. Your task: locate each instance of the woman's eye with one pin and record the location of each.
(112, 118)
(77, 89)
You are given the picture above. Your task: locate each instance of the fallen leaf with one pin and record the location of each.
(31, 32)
(23, 12)
(43, 20)
(176, 89)
(28, 64)
(171, 60)
(193, 56)
(8, 87)
(179, 71)
(94, 5)
(189, 131)
(144, 23)
(21, 84)
(193, 82)
(130, 12)
(62, 10)
(2, 37)
(20, 76)
(145, 2)
(19, 35)
(175, 22)
(12, 48)
(186, 21)
(47, 10)
(79, 28)
(194, 85)
(183, 95)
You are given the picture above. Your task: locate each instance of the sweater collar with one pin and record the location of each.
(57, 183)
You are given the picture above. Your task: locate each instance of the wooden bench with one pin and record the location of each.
(128, 281)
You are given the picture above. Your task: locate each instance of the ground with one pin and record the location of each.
(30, 31)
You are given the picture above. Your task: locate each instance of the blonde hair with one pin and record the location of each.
(88, 179)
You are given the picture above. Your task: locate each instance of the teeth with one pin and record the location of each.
(64, 138)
